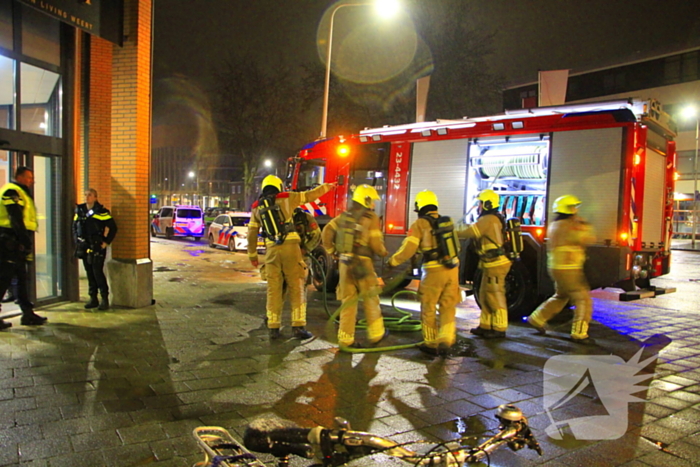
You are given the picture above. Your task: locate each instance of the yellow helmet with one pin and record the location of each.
(490, 199)
(274, 181)
(567, 204)
(426, 198)
(365, 195)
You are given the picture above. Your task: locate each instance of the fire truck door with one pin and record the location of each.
(588, 164)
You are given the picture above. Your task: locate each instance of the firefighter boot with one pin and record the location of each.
(299, 332)
(274, 333)
(93, 303)
(104, 304)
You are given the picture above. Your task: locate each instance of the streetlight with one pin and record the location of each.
(691, 112)
(195, 196)
(384, 8)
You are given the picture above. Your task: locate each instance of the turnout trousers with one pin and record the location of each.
(439, 286)
(353, 289)
(284, 264)
(570, 286)
(492, 298)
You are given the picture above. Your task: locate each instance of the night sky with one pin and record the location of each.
(191, 36)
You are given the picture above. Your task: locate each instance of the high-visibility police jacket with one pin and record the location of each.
(15, 195)
(420, 236)
(287, 202)
(566, 243)
(488, 233)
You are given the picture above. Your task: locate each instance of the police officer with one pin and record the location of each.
(93, 230)
(283, 260)
(18, 222)
(567, 238)
(434, 237)
(487, 232)
(356, 236)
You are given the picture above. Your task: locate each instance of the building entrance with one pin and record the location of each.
(47, 285)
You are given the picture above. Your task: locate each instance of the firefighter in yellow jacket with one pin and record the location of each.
(567, 238)
(356, 236)
(283, 259)
(434, 236)
(487, 231)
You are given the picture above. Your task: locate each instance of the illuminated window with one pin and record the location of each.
(41, 101)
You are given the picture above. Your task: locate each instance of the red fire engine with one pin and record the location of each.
(617, 157)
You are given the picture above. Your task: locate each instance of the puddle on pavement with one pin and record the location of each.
(177, 279)
(163, 269)
(197, 253)
(462, 348)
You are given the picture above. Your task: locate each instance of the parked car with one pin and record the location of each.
(178, 221)
(212, 213)
(230, 230)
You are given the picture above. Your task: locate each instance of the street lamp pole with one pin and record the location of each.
(327, 84)
(695, 180)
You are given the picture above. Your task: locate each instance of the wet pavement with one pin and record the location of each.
(126, 387)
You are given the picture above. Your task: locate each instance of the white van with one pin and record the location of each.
(178, 221)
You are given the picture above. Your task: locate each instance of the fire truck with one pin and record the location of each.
(618, 157)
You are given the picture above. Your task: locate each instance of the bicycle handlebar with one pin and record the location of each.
(338, 446)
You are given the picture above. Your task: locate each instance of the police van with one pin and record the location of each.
(178, 221)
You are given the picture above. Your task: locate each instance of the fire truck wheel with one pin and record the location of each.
(326, 262)
(521, 291)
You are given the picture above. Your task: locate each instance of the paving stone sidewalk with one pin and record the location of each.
(126, 387)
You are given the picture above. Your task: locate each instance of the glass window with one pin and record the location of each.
(240, 221)
(189, 213)
(6, 25)
(5, 168)
(166, 212)
(7, 93)
(41, 38)
(311, 174)
(41, 101)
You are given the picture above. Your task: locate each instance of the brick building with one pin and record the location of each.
(75, 105)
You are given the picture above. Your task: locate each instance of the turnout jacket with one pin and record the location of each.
(420, 236)
(89, 226)
(566, 243)
(487, 231)
(287, 201)
(370, 240)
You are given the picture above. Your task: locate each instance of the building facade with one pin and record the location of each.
(75, 106)
(673, 80)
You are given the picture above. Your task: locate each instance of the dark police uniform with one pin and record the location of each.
(89, 226)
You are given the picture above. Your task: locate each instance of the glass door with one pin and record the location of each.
(47, 251)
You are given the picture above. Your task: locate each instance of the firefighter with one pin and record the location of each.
(355, 237)
(567, 238)
(487, 232)
(283, 259)
(433, 236)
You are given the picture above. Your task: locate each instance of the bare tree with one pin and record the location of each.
(257, 111)
(449, 49)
